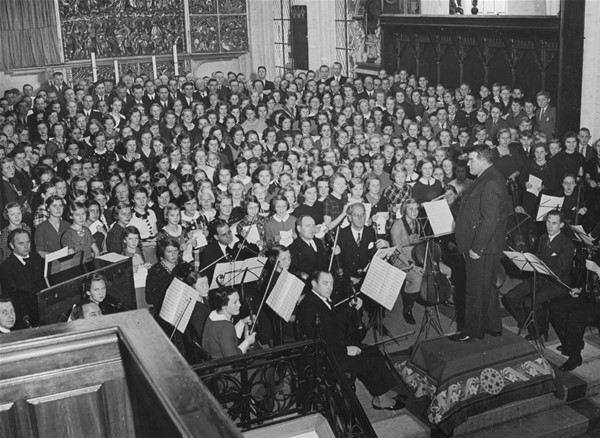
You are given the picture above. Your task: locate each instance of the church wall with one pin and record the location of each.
(590, 84)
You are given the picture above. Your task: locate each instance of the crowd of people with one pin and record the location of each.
(314, 170)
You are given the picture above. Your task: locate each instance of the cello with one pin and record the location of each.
(435, 287)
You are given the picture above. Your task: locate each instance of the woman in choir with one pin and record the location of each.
(94, 290)
(162, 273)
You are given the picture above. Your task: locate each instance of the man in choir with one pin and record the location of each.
(21, 278)
(480, 234)
(318, 317)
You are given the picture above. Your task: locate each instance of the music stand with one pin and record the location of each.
(530, 263)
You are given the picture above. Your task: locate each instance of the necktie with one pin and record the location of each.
(542, 111)
(358, 240)
(329, 302)
(26, 261)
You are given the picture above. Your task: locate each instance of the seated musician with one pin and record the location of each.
(7, 314)
(86, 309)
(556, 250)
(405, 234)
(571, 316)
(357, 243)
(368, 364)
(221, 337)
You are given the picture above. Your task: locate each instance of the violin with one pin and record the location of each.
(435, 287)
(355, 329)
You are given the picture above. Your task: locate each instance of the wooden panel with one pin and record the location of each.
(8, 421)
(70, 414)
(116, 376)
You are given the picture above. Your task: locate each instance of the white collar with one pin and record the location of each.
(551, 238)
(430, 182)
(4, 330)
(21, 258)
(216, 316)
(355, 232)
(281, 221)
(322, 299)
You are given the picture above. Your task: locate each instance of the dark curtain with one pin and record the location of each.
(28, 34)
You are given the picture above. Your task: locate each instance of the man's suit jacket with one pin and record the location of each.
(557, 255)
(148, 101)
(492, 129)
(22, 283)
(352, 257)
(342, 81)
(304, 259)
(590, 152)
(546, 123)
(268, 85)
(210, 254)
(331, 328)
(481, 221)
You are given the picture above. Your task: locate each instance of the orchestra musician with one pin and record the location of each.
(318, 317)
(556, 250)
(405, 234)
(307, 251)
(571, 316)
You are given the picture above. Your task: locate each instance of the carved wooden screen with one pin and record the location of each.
(520, 52)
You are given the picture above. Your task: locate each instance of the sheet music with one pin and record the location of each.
(440, 217)
(384, 253)
(200, 238)
(529, 263)
(112, 257)
(178, 304)
(285, 295)
(95, 225)
(547, 204)
(380, 220)
(139, 277)
(252, 235)
(50, 257)
(581, 235)
(320, 231)
(536, 184)
(231, 273)
(286, 237)
(383, 283)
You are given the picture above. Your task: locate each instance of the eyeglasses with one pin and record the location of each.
(358, 215)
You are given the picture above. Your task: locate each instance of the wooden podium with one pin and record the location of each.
(113, 376)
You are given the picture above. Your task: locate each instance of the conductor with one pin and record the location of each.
(480, 234)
